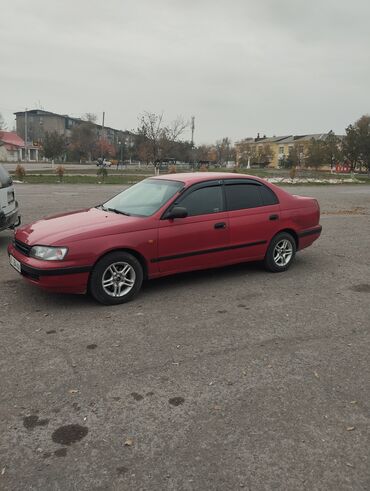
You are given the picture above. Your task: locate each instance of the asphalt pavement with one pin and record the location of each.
(218, 380)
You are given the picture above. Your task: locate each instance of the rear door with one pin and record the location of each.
(254, 215)
(202, 238)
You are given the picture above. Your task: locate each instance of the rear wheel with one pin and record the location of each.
(280, 253)
(116, 278)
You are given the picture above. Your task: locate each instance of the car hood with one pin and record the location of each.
(78, 225)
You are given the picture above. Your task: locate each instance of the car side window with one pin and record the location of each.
(241, 196)
(268, 196)
(203, 201)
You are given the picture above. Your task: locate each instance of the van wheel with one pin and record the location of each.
(280, 253)
(116, 278)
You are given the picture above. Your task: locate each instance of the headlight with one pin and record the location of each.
(49, 253)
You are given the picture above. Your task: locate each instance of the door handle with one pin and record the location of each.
(220, 225)
(274, 217)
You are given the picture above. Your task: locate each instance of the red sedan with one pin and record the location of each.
(161, 226)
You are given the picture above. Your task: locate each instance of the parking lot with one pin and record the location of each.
(224, 379)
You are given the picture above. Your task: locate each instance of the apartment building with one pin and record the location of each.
(269, 151)
(32, 126)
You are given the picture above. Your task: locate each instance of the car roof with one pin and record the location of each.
(194, 177)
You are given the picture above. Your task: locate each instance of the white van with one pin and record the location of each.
(9, 216)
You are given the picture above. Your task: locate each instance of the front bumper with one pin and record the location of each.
(11, 220)
(71, 279)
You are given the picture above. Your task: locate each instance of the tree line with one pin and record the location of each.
(156, 140)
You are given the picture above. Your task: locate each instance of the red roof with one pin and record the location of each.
(11, 138)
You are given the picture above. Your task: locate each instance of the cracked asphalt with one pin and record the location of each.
(223, 379)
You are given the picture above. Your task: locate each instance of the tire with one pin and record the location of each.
(116, 278)
(276, 261)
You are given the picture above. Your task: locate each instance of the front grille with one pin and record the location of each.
(22, 247)
(31, 276)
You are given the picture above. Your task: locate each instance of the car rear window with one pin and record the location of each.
(241, 196)
(5, 179)
(268, 196)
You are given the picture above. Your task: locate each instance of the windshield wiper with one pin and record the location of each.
(114, 210)
(119, 212)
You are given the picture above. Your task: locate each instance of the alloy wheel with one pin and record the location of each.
(118, 279)
(283, 252)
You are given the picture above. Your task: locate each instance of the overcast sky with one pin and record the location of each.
(239, 66)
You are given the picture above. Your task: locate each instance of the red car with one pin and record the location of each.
(161, 226)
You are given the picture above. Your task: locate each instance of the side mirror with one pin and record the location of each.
(177, 212)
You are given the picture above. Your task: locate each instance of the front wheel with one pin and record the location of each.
(116, 278)
(280, 253)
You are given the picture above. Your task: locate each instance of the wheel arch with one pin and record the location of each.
(292, 232)
(133, 252)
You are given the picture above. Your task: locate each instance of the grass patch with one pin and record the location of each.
(81, 179)
(81, 172)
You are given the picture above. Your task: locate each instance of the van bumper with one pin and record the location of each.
(11, 220)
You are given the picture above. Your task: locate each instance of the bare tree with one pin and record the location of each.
(175, 129)
(247, 153)
(205, 152)
(157, 138)
(3, 126)
(171, 135)
(90, 117)
(151, 128)
(225, 150)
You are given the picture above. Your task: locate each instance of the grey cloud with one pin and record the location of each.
(275, 66)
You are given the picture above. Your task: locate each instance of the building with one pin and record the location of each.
(260, 150)
(285, 146)
(34, 124)
(12, 148)
(270, 151)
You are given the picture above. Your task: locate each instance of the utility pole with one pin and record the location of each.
(25, 136)
(192, 139)
(192, 130)
(102, 131)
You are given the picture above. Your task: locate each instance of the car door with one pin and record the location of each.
(199, 240)
(254, 214)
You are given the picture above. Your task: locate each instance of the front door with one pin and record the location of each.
(201, 239)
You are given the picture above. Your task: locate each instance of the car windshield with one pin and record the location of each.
(144, 198)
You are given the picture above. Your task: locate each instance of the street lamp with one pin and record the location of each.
(120, 143)
(130, 144)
